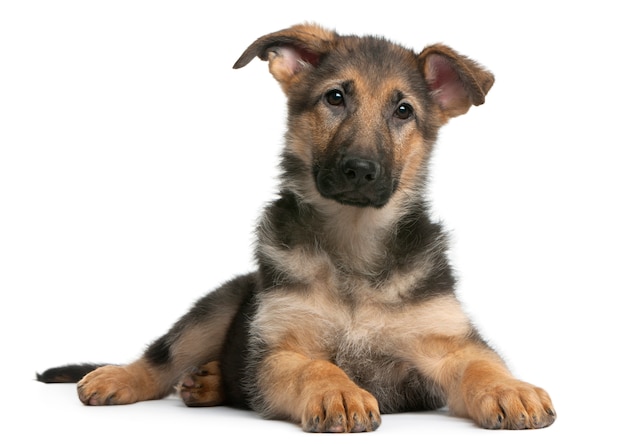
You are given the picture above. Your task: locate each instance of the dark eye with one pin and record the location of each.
(403, 111)
(334, 97)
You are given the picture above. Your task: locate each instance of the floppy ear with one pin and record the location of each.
(455, 81)
(290, 51)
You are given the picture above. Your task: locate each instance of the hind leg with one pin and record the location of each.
(156, 373)
(195, 339)
(203, 386)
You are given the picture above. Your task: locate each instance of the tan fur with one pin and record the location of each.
(203, 386)
(133, 382)
(140, 381)
(197, 341)
(316, 393)
(302, 332)
(323, 317)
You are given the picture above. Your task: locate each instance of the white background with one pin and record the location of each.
(134, 161)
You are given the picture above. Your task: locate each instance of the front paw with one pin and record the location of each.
(511, 404)
(346, 409)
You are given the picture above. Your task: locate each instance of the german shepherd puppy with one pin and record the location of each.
(352, 311)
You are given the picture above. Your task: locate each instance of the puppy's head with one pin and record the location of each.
(363, 112)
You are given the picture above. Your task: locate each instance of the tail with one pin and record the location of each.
(67, 373)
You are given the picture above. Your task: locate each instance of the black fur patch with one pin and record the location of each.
(158, 353)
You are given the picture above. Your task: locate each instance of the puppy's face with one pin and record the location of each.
(363, 112)
(362, 122)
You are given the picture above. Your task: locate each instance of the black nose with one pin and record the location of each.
(360, 171)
